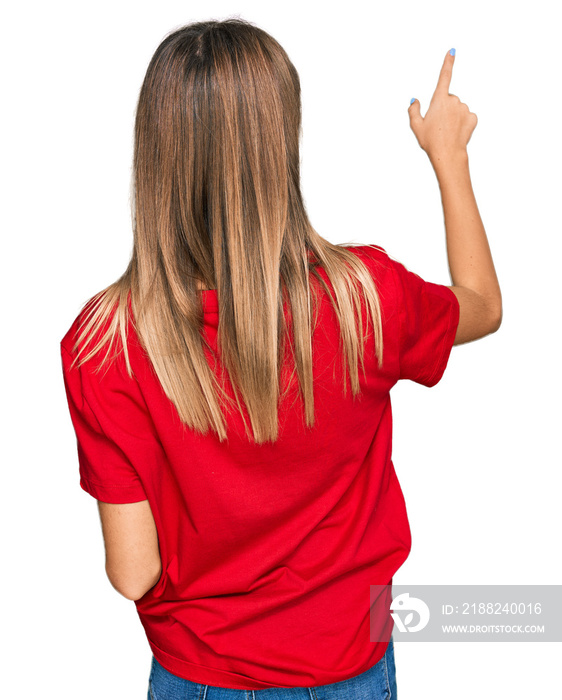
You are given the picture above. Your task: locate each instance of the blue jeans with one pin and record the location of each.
(378, 683)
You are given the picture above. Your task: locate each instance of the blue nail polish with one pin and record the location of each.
(453, 52)
(412, 100)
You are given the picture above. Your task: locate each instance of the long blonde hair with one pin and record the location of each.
(216, 198)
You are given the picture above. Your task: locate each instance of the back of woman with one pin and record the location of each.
(230, 392)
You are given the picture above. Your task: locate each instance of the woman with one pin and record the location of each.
(248, 498)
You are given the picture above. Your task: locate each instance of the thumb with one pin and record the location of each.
(414, 112)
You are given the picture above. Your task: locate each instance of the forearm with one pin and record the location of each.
(468, 251)
(140, 584)
(152, 581)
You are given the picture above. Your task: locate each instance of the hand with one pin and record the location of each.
(446, 129)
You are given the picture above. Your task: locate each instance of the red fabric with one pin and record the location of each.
(268, 552)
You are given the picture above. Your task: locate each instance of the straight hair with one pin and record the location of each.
(216, 199)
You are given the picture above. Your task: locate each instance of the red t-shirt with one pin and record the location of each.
(268, 551)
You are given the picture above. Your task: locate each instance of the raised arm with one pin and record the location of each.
(444, 134)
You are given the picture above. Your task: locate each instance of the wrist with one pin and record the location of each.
(444, 163)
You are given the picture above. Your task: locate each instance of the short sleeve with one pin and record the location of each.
(428, 320)
(105, 418)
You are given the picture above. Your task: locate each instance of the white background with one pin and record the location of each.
(477, 456)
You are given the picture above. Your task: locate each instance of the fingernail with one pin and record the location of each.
(412, 100)
(453, 52)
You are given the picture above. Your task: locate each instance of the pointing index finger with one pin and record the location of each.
(446, 73)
